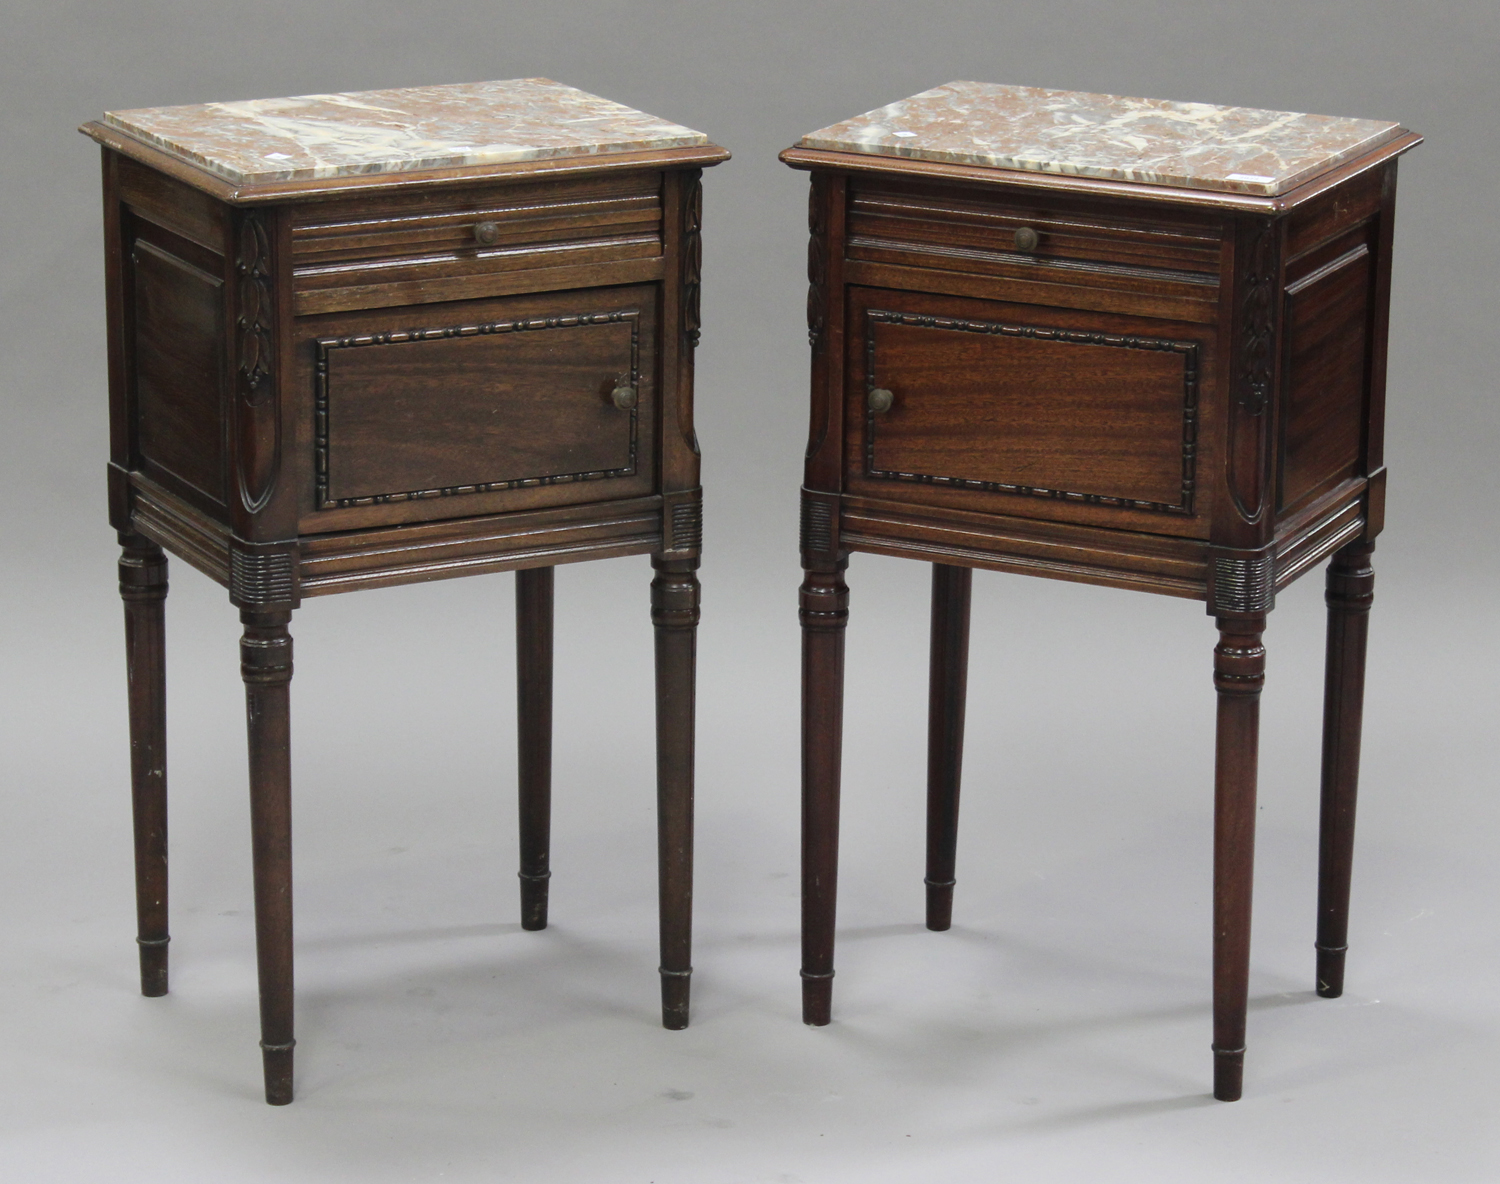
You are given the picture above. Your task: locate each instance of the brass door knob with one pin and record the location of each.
(880, 399)
(1027, 239)
(624, 396)
(487, 232)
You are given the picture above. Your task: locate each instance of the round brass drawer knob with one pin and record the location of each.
(624, 396)
(1027, 239)
(487, 232)
(880, 400)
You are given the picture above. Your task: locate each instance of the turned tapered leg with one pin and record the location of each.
(1239, 673)
(534, 738)
(266, 666)
(1351, 591)
(946, 692)
(674, 612)
(824, 611)
(143, 588)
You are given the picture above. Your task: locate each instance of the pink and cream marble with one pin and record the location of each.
(392, 131)
(1192, 145)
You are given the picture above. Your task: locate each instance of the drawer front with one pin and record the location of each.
(1044, 251)
(482, 407)
(364, 253)
(1024, 411)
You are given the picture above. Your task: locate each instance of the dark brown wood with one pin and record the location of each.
(178, 312)
(356, 382)
(143, 588)
(266, 667)
(1351, 592)
(1239, 674)
(1322, 420)
(824, 615)
(534, 738)
(674, 613)
(947, 691)
(1131, 385)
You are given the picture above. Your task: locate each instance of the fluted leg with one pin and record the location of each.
(143, 588)
(534, 738)
(1351, 591)
(674, 612)
(266, 666)
(824, 612)
(947, 691)
(1239, 673)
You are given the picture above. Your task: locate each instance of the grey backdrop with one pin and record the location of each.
(1060, 1032)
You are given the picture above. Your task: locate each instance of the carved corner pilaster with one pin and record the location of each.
(1241, 583)
(817, 262)
(263, 576)
(682, 524)
(692, 258)
(820, 530)
(1252, 409)
(257, 415)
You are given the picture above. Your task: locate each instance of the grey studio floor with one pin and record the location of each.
(1060, 1031)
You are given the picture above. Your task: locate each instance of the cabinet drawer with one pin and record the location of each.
(1026, 411)
(484, 407)
(420, 247)
(1048, 253)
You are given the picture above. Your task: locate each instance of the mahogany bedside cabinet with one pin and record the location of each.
(1119, 341)
(358, 340)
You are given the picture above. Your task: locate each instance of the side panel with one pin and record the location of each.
(179, 333)
(1326, 375)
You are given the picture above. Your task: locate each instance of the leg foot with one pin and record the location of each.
(674, 613)
(276, 1063)
(947, 691)
(824, 614)
(676, 988)
(1351, 591)
(534, 738)
(1229, 1074)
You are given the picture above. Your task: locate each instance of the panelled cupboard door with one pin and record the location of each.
(447, 410)
(1028, 411)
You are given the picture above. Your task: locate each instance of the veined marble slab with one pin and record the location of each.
(393, 131)
(1192, 145)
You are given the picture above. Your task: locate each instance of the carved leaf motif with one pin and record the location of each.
(1255, 309)
(1254, 370)
(257, 428)
(255, 321)
(817, 265)
(692, 260)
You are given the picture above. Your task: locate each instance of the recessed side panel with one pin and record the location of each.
(178, 340)
(1025, 411)
(1326, 319)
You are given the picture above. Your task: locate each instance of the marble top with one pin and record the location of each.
(390, 131)
(1191, 145)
